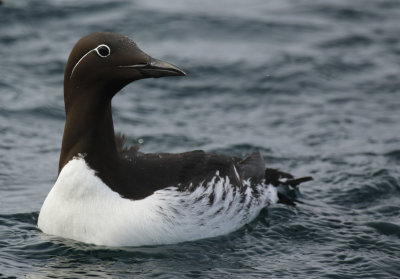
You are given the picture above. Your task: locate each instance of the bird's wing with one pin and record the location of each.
(188, 170)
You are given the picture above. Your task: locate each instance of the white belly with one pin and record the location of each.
(81, 207)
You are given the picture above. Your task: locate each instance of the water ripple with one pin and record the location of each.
(313, 86)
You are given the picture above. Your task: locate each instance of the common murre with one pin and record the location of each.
(106, 194)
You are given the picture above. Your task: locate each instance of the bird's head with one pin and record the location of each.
(105, 62)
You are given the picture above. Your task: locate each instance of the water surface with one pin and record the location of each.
(313, 85)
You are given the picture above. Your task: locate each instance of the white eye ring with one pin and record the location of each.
(103, 50)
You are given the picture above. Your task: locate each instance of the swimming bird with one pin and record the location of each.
(110, 194)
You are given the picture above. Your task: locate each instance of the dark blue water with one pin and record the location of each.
(314, 85)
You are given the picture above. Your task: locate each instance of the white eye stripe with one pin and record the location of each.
(98, 53)
(73, 69)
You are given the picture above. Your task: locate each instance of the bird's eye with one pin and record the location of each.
(103, 50)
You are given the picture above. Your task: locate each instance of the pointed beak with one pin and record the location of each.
(158, 68)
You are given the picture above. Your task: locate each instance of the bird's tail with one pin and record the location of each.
(286, 183)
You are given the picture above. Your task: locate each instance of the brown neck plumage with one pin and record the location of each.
(89, 129)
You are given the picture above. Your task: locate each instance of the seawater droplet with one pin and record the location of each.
(140, 141)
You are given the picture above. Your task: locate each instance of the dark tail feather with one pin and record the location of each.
(285, 199)
(295, 182)
(279, 178)
(274, 176)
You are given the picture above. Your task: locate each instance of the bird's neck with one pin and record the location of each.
(89, 132)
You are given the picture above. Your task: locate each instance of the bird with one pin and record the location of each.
(107, 193)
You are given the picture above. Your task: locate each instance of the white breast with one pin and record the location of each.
(81, 207)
